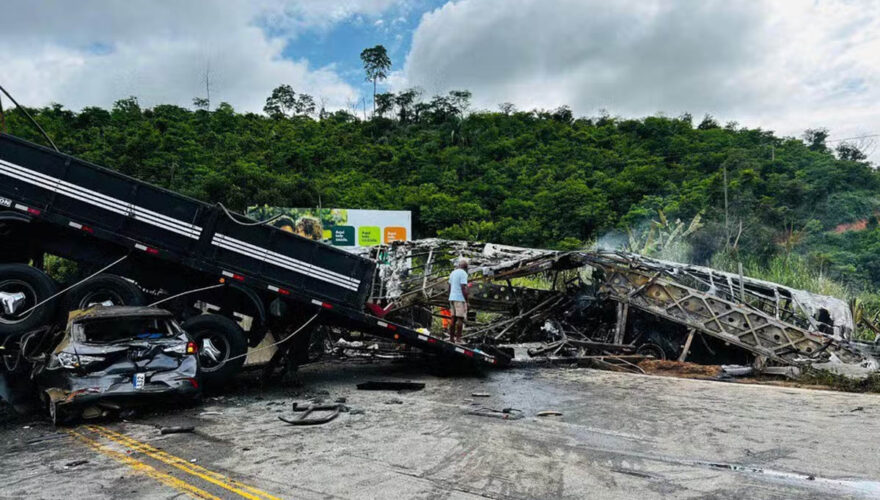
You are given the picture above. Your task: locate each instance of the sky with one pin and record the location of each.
(782, 65)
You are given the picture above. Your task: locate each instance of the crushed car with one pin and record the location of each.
(111, 359)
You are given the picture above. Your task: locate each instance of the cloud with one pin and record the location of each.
(95, 52)
(784, 65)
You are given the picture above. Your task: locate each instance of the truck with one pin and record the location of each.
(142, 244)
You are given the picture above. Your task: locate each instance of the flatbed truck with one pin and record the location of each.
(168, 245)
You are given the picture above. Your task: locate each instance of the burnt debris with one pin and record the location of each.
(604, 305)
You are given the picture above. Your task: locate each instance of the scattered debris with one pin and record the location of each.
(75, 463)
(858, 408)
(394, 401)
(505, 414)
(390, 386)
(340, 400)
(304, 417)
(208, 413)
(549, 413)
(480, 394)
(176, 429)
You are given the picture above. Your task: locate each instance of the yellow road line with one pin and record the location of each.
(210, 476)
(145, 469)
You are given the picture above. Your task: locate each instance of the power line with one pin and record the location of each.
(857, 137)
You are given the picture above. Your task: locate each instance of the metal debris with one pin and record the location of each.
(305, 414)
(390, 385)
(615, 308)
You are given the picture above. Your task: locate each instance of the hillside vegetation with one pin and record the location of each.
(539, 178)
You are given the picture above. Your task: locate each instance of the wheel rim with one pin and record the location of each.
(213, 350)
(100, 296)
(652, 349)
(18, 286)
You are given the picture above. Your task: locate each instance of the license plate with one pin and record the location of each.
(138, 380)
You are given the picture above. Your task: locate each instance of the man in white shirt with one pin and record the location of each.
(458, 296)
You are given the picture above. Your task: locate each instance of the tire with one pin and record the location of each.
(225, 340)
(36, 286)
(101, 288)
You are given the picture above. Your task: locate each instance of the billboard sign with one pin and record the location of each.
(339, 226)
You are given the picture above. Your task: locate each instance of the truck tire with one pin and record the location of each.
(103, 288)
(219, 339)
(36, 286)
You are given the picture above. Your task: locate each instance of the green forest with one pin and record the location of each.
(718, 193)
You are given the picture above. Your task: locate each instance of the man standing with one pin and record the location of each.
(458, 296)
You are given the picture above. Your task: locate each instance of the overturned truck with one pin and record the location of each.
(597, 303)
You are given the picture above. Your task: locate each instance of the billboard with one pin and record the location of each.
(340, 226)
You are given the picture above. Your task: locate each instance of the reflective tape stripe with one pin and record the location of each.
(279, 259)
(283, 261)
(99, 200)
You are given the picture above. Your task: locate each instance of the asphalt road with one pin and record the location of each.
(619, 436)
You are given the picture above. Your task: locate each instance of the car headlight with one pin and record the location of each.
(71, 360)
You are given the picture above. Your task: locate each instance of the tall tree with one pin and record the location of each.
(376, 65)
(282, 101)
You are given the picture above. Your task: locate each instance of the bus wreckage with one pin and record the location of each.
(568, 305)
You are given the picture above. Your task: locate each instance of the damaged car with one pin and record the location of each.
(111, 359)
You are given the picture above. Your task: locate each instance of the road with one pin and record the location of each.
(619, 436)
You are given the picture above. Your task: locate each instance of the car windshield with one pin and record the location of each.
(128, 328)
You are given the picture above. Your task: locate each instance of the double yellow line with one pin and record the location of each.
(198, 471)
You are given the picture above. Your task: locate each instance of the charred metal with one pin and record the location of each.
(589, 304)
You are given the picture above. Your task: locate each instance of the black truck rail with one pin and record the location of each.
(73, 195)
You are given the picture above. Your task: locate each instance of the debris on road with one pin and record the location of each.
(549, 413)
(480, 394)
(75, 463)
(504, 414)
(305, 418)
(176, 429)
(391, 385)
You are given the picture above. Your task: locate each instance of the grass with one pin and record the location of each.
(812, 376)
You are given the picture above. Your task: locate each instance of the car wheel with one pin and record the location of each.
(21, 288)
(222, 345)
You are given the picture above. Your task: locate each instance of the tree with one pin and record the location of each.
(815, 138)
(507, 108)
(376, 65)
(281, 102)
(201, 103)
(285, 103)
(405, 100)
(304, 105)
(846, 151)
(383, 103)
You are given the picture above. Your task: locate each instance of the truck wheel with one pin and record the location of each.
(104, 288)
(22, 287)
(219, 339)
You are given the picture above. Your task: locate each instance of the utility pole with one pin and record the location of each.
(208, 83)
(726, 212)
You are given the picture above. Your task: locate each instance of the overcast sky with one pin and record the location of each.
(776, 64)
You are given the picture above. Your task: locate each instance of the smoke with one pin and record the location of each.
(612, 241)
